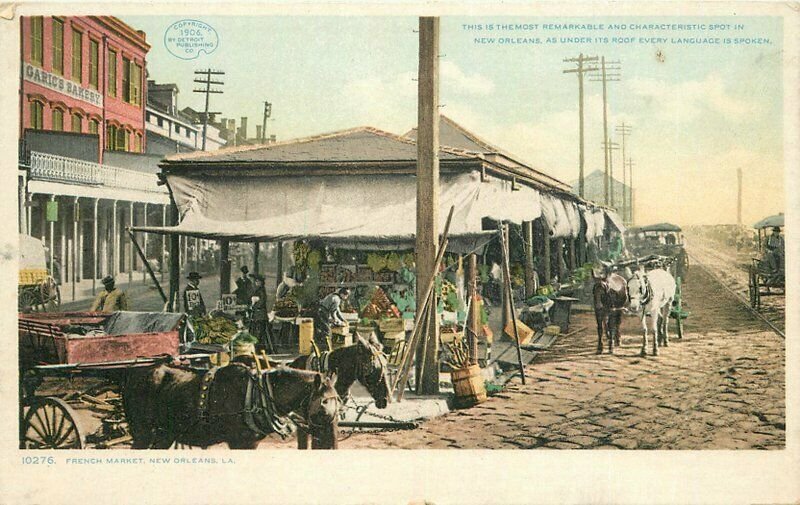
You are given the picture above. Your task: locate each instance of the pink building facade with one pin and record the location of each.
(84, 74)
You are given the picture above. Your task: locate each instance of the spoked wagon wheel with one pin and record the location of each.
(753, 288)
(50, 293)
(27, 300)
(51, 424)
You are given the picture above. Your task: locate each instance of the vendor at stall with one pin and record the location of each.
(329, 314)
(290, 280)
(258, 314)
(192, 297)
(244, 287)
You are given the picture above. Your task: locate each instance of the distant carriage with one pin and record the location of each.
(662, 239)
(767, 275)
(37, 289)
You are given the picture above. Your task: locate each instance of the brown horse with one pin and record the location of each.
(609, 297)
(165, 404)
(363, 361)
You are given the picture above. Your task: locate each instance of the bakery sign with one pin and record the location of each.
(55, 82)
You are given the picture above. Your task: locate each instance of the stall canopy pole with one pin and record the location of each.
(530, 276)
(279, 263)
(147, 266)
(224, 267)
(474, 312)
(510, 296)
(174, 264)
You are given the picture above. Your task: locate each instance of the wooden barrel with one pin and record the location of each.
(468, 386)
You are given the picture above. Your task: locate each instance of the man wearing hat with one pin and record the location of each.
(244, 287)
(775, 250)
(111, 298)
(192, 297)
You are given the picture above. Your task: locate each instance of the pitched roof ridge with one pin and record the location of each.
(255, 147)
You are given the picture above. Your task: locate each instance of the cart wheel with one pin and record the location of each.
(51, 294)
(51, 424)
(751, 287)
(27, 300)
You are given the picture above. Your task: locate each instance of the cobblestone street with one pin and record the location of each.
(721, 387)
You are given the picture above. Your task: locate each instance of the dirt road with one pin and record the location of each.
(721, 387)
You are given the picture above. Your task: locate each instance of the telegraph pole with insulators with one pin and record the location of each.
(624, 130)
(208, 90)
(608, 73)
(579, 70)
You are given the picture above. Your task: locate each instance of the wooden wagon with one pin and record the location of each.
(767, 274)
(71, 356)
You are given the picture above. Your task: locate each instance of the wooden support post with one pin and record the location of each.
(279, 263)
(546, 254)
(505, 301)
(474, 315)
(130, 246)
(428, 196)
(572, 260)
(530, 272)
(224, 267)
(510, 295)
(174, 265)
(163, 241)
(559, 258)
(76, 213)
(256, 256)
(144, 246)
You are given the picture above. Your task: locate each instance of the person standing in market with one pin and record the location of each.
(775, 250)
(244, 287)
(259, 321)
(329, 314)
(111, 298)
(193, 303)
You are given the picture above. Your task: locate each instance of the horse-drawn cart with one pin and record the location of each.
(767, 274)
(662, 239)
(66, 363)
(37, 288)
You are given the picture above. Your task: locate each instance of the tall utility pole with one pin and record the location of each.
(608, 73)
(630, 190)
(739, 197)
(427, 198)
(609, 148)
(267, 115)
(624, 130)
(206, 79)
(579, 71)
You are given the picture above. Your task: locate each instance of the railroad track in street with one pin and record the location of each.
(701, 257)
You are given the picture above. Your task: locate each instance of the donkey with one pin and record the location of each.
(166, 403)
(609, 297)
(652, 293)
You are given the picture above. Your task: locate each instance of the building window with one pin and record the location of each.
(122, 140)
(161, 122)
(112, 73)
(58, 120)
(188, 133)
(94, 126)
(58, 46)
(94, 56)
(137, 143)
(126, 79)
(111, 137)
(77, 123)
(177, 128)
(136, 84)
(37, 31)
(77, 55)
(37, 115)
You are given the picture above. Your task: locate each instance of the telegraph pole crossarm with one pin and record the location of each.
(609, 71)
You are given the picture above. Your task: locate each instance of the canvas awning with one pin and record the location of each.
(595, 222)
(614, 220)
(348, 210)
(557, 217)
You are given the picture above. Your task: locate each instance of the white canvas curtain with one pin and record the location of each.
(561, 217)
(338, 208)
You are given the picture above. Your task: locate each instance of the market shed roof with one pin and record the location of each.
(453, 135)
(363, 144)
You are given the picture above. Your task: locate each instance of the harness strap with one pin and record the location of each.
(206, 384)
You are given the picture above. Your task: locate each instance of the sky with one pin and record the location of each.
(700, 109)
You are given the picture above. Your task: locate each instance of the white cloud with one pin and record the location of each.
(688, 100)
(453, 78)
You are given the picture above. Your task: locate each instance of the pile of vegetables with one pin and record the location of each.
(213, 329)
(379, 305)
(393, 262)
(286, 308)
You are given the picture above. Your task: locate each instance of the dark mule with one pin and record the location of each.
(609, 297)
(363, 361)
(165, 404)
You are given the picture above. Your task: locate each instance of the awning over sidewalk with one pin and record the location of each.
(356, 209)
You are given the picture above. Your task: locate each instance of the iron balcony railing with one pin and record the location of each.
(51, 167)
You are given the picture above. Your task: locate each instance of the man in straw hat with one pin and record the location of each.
(111, 298)
(192, 297)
